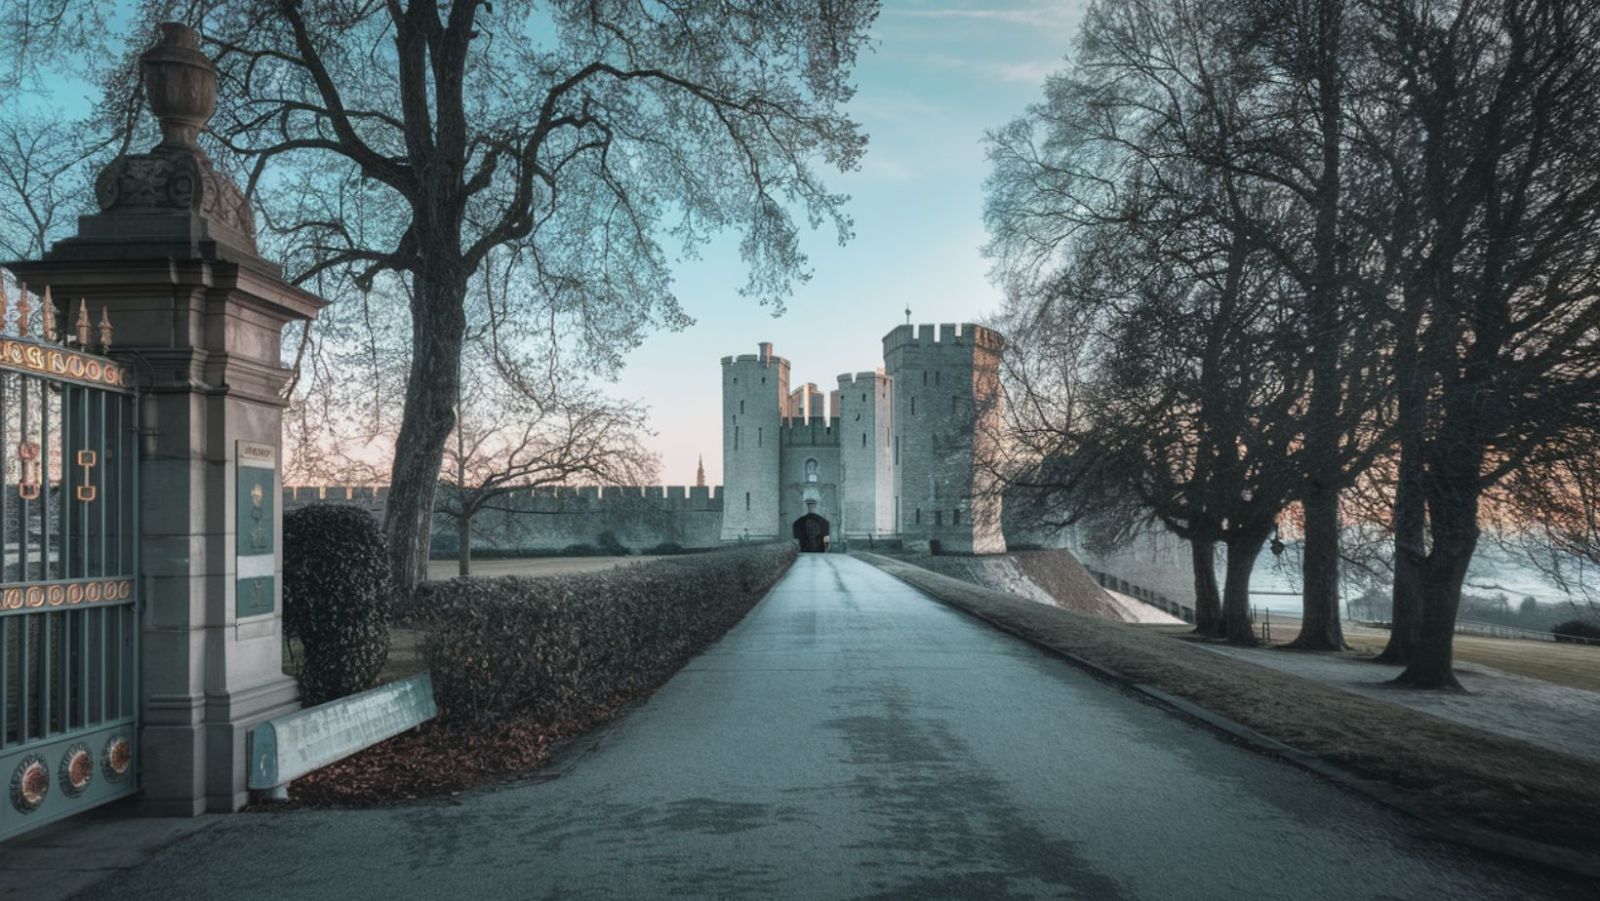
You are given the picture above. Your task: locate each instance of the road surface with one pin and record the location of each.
(853, 738)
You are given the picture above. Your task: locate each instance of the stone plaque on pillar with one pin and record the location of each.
(256, 560)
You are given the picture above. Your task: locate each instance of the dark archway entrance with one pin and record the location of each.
(811, 531)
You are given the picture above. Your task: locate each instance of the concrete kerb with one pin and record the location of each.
(1385, 794)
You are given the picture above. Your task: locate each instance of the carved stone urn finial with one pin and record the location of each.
(181, 84)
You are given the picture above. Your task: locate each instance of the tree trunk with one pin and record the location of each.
(464, 546)
(1410, 553)
(1207, 600)
(438, 326)
(1410, 510)
(1320, 628)
(1453, 491)
(1432, 655)
(1242, 553)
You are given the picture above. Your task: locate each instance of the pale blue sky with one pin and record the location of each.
(942, 73)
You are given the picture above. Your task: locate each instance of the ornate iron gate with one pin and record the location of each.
(68, 591)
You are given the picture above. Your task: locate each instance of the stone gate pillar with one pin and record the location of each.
(198, 317)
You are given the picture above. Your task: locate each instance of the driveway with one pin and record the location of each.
(853, 738)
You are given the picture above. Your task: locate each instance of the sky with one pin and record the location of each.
(941, 73)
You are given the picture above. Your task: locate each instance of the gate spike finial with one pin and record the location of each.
(105, 330)
(83, 323)
(24, 309)
(47, 316)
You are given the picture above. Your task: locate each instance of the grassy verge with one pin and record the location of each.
(1448, 770)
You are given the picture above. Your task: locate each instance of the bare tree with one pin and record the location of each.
(405, 143)
(1504, 102)
(508, 440)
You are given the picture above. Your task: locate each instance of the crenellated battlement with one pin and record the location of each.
(764, 358)
(948, 334)
(850, 380)
(542, 499)
(816, 433)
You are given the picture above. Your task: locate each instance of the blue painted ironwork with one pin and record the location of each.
(68, 571)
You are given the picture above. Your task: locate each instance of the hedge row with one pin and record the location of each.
(557, 647)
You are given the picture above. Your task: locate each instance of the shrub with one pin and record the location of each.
(559, 647)
(579, 550)
(1576, 628)
(608, 545)
(664, 549)
(335, 598)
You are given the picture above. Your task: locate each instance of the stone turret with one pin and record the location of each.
(755, 394)
(946, 416)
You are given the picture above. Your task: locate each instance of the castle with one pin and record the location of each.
(894, 457)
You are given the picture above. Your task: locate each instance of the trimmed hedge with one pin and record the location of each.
(559, 647)
(1576, 628)
(335, 598)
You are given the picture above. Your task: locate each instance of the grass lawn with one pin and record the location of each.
(1572, 665)
(531, 566)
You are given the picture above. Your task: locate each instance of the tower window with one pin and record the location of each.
(938, 517)
(919, 516)
(924, 376)
(735, 437)
(741, 406)
(863, 439)
(747, 500)
(955, 517)
(863, 398)
(897, 450)
(760, 436)
(936, 377)
(953, 401)
(913, 406)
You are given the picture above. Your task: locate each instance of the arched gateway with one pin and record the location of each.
(811, 531)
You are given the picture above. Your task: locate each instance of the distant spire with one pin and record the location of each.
(908, 314)
(700, 473)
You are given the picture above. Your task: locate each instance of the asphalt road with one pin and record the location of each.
(852, 738)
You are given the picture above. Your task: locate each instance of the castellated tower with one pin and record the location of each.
(755, 394)
(945, 418)
(863, 410)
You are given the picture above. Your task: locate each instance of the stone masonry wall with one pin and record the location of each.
(553, 519)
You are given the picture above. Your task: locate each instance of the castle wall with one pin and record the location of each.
(946, 407)
(864, 402)
(552, 519)
(755, 394)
